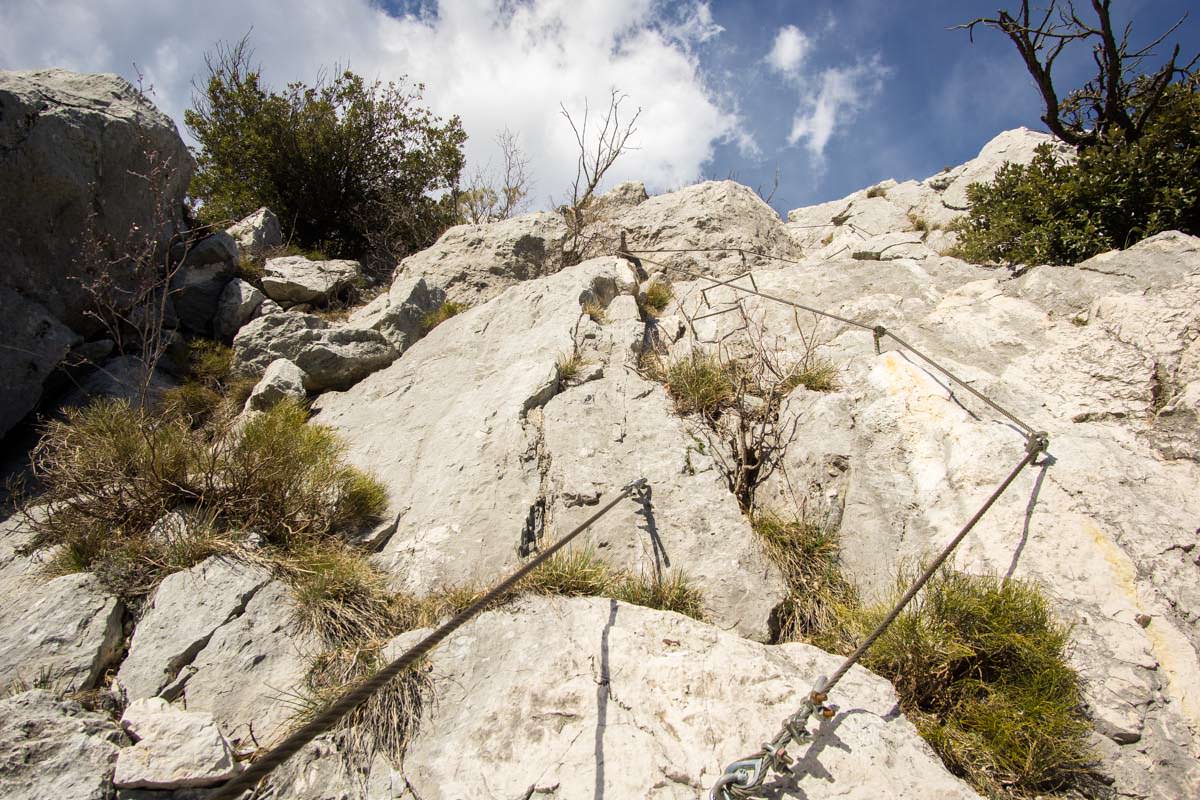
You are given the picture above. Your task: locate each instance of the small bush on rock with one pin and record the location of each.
(657, 297)
(699, 383)
(445, 311)
(808, 556)
(979, 664)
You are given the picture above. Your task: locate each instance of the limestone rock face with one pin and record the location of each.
(53, 748)
(173, 749)
(899, 458)
(256, 233)
(449, 428)
(398, 313)
(75, 145)
(183, 613)
(296, 279)
(893, 220)
(282, 380)
(248, 673)
(709, 214)
(474, 263)
(331, 357)
(622, 701)
(237, 305)
(67, 630)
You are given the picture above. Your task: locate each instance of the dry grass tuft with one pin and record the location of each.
(596, 312)
(440, 314)
(699, 383)
(658, 295)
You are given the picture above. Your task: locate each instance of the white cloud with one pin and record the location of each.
(842, 94)
(790, 49)
(495, 63)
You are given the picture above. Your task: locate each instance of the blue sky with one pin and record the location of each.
(836, 96)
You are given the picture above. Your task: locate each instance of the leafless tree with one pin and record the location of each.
(597, 156)
(1120, 97)
(483, 201)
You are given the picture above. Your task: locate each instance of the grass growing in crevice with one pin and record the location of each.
(658, 295)
(445, 311)
(814, 374)
(569, 366)
(979, 664)
(808, 556)
(582, 573)
(698, 383)
(595, 311)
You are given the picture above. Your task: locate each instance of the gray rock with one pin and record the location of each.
(281, 381)
(296, 279)
(185, 610)
(196, 292)
(712, 214)
(622, 701)
(331, 357)
(76, 146)
(399, 312)
(52, 748)
(64, 632)
(215, 248)
(257, 233)
(173, 749)
(35, 342)
(447, 428)
(121, 378)
(248, 674)
(474, 263)
(237, 305)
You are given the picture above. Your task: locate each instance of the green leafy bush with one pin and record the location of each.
(1114, 194)
(351, 168)
(979, 664)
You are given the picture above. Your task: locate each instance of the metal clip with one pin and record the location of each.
(878, 332)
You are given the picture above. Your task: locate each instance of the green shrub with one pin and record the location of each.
(979, 664)
(350, 167)
(440, 314)
(1115, 194)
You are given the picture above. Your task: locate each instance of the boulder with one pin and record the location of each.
(35, 342)
(121, 378)
(54, 748)
(249, 673)
(196, 293)
(282, 380)
(256, 234)
(331, 357)
(65, 632)
(173, 749)
(399, 313)
(622, 701)
(237, 305)
(87, 157)
(474, 263)
(450, 432)
(712, 214)
(296, 279)
(182, 614)
(215, 248)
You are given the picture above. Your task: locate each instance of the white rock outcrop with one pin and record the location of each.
(256, 234)
(173, 749)
(399, 313)
(332, 357)
(282, 380)
(52, 748)
(237, 305)
(182, 614)
(474, 263)
(296, 279)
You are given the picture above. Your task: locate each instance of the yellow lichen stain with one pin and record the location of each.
(1176, 659)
